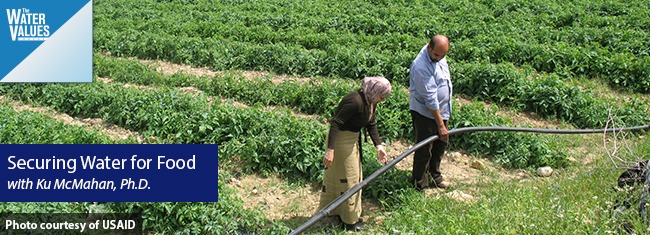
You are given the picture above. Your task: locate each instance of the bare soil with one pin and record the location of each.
(297, 203)
(466, 173)
(171, 68)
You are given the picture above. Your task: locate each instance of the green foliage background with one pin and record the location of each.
(523, 56)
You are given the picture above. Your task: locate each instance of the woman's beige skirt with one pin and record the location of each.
(343, 174)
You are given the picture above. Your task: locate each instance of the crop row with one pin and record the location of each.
(618, 69)
(372, 18)
(503, 84)
(268, 140)
(287, 38)
(36, 128)
(316, 96)
(227, 215)
(546, 95)
(357, 60)
(335, 61)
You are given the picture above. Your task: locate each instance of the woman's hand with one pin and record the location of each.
(382, 156)
(329, 157)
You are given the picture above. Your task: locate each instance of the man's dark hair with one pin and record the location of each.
(432, 43)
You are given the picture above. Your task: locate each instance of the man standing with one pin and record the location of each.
(430, 105)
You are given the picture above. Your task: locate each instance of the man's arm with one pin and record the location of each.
(442, 129)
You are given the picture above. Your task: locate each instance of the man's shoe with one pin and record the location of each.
(358, 226)
(441, 183)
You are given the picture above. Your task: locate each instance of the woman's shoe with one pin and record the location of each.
(354, 227)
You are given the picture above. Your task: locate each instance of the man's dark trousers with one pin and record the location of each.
(428, 157)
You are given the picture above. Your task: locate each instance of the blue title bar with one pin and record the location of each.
(109, 172)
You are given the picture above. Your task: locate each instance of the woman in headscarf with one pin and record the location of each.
(343, 155)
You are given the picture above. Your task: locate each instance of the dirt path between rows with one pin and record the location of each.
(171, 68)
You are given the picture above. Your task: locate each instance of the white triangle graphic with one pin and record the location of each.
(65, 57)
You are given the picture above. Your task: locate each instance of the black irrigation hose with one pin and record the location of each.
(345, 196)
(644, 195)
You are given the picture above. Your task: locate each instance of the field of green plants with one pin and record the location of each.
(579, 63)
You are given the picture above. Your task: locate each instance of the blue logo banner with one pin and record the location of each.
(109, 172)
(46, 41)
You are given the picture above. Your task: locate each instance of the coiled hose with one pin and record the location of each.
(345, 196)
